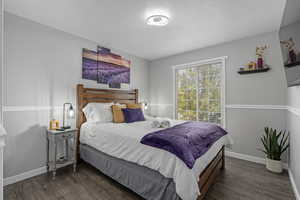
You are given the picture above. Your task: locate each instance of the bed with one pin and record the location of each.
(171, 180)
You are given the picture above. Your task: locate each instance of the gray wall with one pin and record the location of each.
(293, 101)
(245, 125)
(42, 68)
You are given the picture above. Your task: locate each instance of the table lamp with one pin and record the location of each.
(145, 105)
(69, 113)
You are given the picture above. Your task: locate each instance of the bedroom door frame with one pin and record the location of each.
(221, 60)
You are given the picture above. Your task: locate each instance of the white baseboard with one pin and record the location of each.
(250, 158)
(25, 175)
(294, 186)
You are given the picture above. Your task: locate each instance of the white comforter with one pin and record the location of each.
(123, 141)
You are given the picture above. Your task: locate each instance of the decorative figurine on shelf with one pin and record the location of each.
(290, 45)
(251, 65)
(260, 52)
(54, 124)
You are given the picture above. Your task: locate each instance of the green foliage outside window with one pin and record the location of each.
(207, 88)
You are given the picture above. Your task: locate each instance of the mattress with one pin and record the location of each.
(123, 141)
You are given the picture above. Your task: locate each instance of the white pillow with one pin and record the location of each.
(98, 112)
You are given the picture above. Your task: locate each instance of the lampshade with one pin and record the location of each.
(145, 105)
(67, 114)
(71, 112)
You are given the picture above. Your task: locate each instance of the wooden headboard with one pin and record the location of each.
(93, 95)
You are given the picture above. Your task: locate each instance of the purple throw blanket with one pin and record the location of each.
(188, 140)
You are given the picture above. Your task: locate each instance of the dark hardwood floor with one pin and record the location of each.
(241, 180)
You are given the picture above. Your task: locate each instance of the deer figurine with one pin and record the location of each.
(290, 45)
(259, 53)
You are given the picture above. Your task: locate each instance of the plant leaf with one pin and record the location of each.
(275, 143)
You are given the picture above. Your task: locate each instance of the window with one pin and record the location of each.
(199, 91)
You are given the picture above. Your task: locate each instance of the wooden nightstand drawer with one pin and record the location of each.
(65, 136)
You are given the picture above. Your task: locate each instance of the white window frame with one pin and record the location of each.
(223, 83)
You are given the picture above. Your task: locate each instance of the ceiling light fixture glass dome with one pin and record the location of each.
(157, 20)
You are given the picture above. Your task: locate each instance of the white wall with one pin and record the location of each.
(1, 60)
(245, 125)
(293, 101)
(42, 68)
(293, 125)
(1, 97)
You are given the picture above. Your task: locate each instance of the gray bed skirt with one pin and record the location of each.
(144, 181)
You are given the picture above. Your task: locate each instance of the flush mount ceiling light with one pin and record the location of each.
(157, 20)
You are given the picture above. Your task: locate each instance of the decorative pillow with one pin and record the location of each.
(134, 106)
(118, 116)
(98, 112)
(133, 115)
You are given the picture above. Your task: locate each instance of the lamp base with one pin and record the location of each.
(63, 128)
(66, 127)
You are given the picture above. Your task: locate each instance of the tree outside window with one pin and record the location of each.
(202, 83)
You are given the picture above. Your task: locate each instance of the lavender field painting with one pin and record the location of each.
(105, 67)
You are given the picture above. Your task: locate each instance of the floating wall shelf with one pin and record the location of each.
(254, 71)
(292, 64)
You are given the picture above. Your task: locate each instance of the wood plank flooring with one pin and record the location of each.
(241, 180)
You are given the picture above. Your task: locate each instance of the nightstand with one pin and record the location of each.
(65, 142)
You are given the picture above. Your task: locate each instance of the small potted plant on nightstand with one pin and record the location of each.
(275, 144)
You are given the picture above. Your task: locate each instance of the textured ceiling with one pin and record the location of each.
(121, 24)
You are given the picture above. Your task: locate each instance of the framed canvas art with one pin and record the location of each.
(105, 67)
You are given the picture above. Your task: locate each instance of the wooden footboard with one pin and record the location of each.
(209, 175)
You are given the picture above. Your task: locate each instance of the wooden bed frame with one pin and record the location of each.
(89, 95)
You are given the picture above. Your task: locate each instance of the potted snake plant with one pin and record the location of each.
(275, 144)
